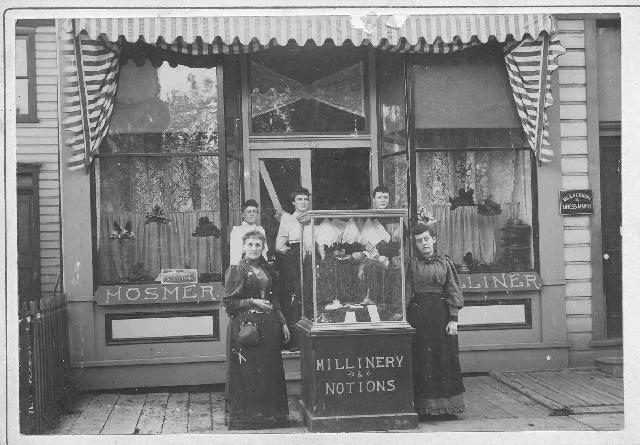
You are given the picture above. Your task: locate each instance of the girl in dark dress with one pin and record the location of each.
(256, 392)
(436, 298)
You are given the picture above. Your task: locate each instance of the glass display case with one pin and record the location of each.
(358, 257)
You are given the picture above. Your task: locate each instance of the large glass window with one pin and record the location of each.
(157, 176)
(308, 90)
(473, 166)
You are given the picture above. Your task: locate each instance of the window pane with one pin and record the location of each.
(319, 90)
(394, 176)
(22, 96)
(164, 110)
(392, 101)
(170, 204)
(490, 230)
(21, 56)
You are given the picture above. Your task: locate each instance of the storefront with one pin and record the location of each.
(172, 122)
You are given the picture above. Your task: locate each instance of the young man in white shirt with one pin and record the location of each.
(290, 236)
(249, 222)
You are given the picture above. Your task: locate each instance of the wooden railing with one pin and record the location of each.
(45, 374)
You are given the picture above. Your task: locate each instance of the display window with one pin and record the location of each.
(474, 171)
(157, 177)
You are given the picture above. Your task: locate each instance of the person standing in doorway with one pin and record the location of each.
(433, 287)
(249, 223)
(288, 244)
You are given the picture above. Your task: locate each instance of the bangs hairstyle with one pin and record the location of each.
(419, 229)
(254, 234)
(249, 203)
(300, 191)
(381, 189)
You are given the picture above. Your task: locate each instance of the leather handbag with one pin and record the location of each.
(249, 335)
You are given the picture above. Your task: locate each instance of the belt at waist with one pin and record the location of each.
(428, 292)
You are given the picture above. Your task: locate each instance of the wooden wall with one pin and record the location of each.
(38, 143)
(579, 148)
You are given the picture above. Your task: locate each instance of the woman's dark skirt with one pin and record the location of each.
(256, 392)
(437, 380)
(290, 292)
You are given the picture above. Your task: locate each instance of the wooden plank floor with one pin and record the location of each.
(570, 391)
(201, 411)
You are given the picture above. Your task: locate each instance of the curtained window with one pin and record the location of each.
(157, 189)
(473, 165)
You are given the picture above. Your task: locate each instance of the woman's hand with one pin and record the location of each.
(286, 333)
(262, 304)
(452, 328)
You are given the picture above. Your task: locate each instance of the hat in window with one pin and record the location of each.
(425, 216)
(206, 228)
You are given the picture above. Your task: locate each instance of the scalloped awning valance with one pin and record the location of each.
(413, 33)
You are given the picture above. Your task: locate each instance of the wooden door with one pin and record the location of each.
(611, 197)
(28, 236)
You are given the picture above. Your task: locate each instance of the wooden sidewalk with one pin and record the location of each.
(568, 391)
(489, 402)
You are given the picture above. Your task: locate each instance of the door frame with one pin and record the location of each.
(304, 154)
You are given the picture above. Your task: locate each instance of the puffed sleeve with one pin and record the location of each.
(233, 299)
(453, 293)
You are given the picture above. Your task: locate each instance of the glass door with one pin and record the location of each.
(274, 175)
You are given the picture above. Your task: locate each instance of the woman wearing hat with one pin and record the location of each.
(436, 298)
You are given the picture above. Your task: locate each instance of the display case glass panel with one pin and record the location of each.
(358, 257)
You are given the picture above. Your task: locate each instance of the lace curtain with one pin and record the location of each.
(504, 177)
(156, 246)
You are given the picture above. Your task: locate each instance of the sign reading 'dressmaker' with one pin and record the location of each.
(576, 202)
(159, 293)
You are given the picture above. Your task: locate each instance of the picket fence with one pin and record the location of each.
(45, 372)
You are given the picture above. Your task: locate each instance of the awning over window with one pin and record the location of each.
(215, 35)
(91, 55)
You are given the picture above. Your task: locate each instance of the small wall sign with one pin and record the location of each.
(576, 202)
(178, 276)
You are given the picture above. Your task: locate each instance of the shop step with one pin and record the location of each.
(613, 366)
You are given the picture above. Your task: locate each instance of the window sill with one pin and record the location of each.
(610, 342)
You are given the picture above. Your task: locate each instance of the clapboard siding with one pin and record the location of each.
(575, 170)
(38, 143)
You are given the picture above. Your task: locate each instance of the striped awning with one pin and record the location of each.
(416, 33)
(91, 63)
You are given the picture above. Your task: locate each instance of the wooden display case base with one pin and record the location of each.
(373, 422)
(357, 378)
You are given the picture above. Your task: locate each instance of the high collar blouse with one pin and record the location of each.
(435, 274)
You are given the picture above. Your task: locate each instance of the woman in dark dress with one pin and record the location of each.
(256, 392)
(436, 298)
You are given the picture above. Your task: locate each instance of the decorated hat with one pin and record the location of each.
(426, 217)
